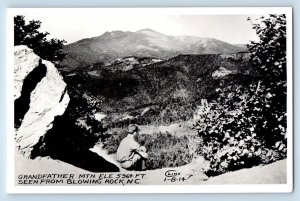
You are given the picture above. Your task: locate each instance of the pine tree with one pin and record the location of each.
(28, 34)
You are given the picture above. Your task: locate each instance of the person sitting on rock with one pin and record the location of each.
(130, 154)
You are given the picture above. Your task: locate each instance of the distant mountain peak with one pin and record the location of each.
(144, 31)
(113, 32)
(149, 31)
(142, 43)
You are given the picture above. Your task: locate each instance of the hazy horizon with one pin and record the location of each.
(72, 26)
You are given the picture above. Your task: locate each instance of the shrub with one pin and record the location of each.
(233, 132)
(246, 125)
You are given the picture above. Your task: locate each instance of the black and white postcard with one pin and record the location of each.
(149, 100)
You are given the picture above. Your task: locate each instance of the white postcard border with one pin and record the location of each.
(253, 188)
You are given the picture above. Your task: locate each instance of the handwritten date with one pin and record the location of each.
(174, 176)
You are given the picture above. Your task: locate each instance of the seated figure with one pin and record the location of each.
(130, 154)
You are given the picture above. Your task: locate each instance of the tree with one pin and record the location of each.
(246, 125)
(29, 35)
(268, 56)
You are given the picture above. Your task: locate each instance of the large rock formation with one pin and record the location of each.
(47, 112)
(40, 95)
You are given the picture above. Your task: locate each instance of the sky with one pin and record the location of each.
(75, 24)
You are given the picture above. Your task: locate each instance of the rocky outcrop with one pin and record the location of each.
(47, 112)
(221, 72)
(40, 95)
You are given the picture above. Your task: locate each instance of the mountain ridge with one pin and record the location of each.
(142, 43)
(170, 85)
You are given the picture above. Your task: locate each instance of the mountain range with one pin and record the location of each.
(123, 74)
(143, 43)
(170, 89)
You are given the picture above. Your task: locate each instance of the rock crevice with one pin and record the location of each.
(29, 84)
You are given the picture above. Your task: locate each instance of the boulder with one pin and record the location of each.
(221, 72)
(41, 82)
